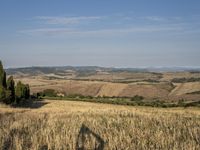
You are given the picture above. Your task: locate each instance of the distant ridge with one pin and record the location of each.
(49, 69)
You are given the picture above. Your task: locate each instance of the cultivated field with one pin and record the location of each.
(162, 90)
(82, 125)
(95, 81)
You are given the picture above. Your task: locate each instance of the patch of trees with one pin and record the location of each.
(9, 93)
(47, 92)
(137, 98)
(184, 80)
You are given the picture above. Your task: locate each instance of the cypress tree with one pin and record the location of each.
(11, 88)
(2, 83)
(2, 76)
(4, 80)
(8, 92)
(22, 91)
(7, 98)
(18, 92)
(27, 91)
(2, 93)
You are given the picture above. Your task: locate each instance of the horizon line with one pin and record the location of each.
(116, 67)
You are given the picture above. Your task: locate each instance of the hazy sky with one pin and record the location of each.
(119, 33)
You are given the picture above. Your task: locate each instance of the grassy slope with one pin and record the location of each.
(150, 90)
(57, 124)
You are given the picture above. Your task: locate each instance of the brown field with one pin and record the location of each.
(99, 88)
(167, 76)
(98, 85)
(77, 125)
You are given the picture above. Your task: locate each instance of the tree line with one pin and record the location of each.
(9, 93)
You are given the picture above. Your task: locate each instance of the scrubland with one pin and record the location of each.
(74, 125)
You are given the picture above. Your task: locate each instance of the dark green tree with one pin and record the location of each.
(2, 83)
(8, 92)
(2, 76)
(22, 92)
(19, 92)
(5, 95)
(2, 93)
(26, 91)
(11, 88)
(7, 99)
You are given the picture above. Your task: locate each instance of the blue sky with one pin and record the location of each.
(110, 33)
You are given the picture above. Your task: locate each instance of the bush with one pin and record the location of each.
(11, 88)
(137, 98)
(2, 93)
(49, 93)
(22, 91)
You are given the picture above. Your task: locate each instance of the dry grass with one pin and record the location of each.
(73, 125)
(184, 88)
(168, 76)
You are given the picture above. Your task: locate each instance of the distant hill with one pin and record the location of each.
(93, 69)
(64, 69)
(162, 83)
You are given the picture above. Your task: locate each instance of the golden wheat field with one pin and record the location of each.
(67, 125)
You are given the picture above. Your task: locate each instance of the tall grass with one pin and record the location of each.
(58, 125)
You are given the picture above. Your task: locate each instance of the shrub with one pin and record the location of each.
(11, 88)
(49, 93)
(2, 93)
(137, 98)
(22, 91)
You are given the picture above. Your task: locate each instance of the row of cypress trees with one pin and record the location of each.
(9, 93)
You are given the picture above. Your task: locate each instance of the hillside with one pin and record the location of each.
(99, 81)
